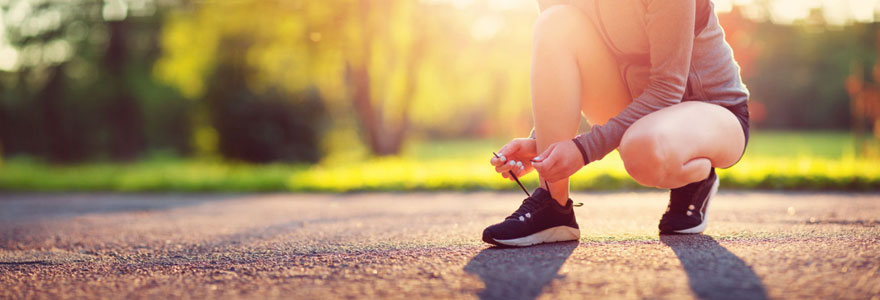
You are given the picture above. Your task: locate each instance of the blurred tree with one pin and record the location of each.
(123, 112)
(795, 71)
(243, 112)
(865, 101)
(75, 86)
(390, 64)
(37, 112)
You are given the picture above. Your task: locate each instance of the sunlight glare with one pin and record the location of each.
(864, 10)
(8, 58)
(485, 27)
(461, 4)
(512, 4)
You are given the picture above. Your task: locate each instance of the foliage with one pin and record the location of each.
(263, 127)
(81, 88)
(780, 161)
(796, 73)
(298, 80)
(386, 67)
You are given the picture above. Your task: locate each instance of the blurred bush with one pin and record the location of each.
(262, 127)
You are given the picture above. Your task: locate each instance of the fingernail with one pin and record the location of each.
(537, 158)
(503, 159)
(512, 163)
(519, 163)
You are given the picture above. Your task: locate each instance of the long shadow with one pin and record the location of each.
(713, 272)
(519, 273)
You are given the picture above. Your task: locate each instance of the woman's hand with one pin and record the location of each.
(559, 161)
(516, 156)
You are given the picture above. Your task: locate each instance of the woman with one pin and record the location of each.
(657, 81)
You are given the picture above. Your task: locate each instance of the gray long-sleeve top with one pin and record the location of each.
(663, 61)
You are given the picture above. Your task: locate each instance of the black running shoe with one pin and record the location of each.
(686, 212)
(538, 220)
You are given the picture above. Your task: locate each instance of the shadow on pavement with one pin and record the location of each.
(713, 272)
(519, 273)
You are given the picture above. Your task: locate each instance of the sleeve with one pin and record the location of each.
(670, 28)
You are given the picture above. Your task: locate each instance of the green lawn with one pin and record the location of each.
(774, 160)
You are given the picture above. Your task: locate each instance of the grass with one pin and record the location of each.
(774, 160)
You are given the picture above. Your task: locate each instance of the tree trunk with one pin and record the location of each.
(123, 111)
(382, 138)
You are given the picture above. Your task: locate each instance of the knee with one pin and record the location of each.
(558, 24)
(647, 157)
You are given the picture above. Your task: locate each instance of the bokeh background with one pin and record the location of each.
(352, 95)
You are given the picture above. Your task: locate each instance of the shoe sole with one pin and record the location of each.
(549, 235)
(702, 227)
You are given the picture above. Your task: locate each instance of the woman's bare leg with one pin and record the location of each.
(572, 71)
(677, 145)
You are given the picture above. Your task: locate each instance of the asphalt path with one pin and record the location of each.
(427, 245)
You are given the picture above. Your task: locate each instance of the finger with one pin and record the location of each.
(558, 171)
(540, 161)
(517, 170)
(520, 171)
(550, 161)
(496, 161)
(544, 154)
(549, 170)
(509, 149)
(498, 158)
(506, 167)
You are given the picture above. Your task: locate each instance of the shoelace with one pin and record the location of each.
(515, 178)
(530, 204)
(578, 204)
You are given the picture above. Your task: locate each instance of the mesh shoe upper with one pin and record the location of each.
(537, 213)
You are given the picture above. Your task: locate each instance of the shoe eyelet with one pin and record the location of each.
(529, 215)
(689, 213)
(522, 219)
(691, 207)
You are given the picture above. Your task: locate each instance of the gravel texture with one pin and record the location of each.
(426, 245)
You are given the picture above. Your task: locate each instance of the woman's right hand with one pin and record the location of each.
(516, 156)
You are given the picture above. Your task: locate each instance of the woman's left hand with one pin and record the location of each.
(559, 161)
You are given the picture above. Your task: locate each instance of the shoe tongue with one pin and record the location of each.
(535, 201)
(541, 194)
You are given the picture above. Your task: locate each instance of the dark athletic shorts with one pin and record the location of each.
(741, 111)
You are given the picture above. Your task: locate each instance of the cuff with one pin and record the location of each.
(582, 150)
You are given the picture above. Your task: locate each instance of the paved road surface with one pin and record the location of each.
(426, 245)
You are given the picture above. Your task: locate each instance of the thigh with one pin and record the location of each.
(695, 129)
(603, 91)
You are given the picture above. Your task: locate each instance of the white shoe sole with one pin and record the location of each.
(549, 235)
(702, 227)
